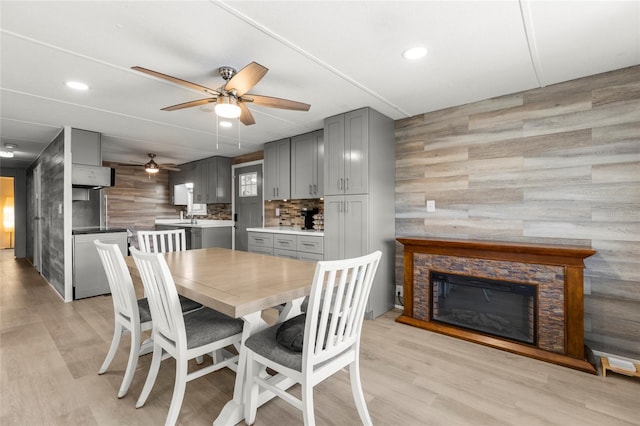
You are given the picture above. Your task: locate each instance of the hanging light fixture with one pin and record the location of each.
(151, 167)
(227, 107)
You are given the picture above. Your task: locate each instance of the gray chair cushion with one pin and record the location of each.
(143, 308)
(185, 303)
(265, 344)
(207, 325)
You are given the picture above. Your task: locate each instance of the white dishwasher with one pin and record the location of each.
(89, 278)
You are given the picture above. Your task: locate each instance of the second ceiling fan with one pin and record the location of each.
(232, 98)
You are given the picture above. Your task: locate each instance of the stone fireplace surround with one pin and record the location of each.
(556, 271)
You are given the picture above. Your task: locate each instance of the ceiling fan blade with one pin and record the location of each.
(189, 104)
(169, 167)
(245, 115)
(176, 80)
(271, 102)
(246, 78)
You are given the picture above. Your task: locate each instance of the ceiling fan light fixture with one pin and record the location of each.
(151, 167)
(227, 107)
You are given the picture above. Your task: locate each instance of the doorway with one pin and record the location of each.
(248, 204)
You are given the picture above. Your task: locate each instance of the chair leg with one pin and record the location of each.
(178, 391)
(251, 391)
(131, 365)
(115, 341)
(151, 376)
(307, 404)
(358, 394)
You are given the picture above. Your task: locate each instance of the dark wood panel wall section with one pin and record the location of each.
(51, 163)
(554, 165)
(137, 199)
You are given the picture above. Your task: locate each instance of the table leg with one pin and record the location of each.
(233, 411)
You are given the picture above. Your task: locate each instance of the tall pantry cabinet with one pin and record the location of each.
(359, 188)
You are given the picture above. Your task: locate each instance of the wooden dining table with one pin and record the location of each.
(241, 285)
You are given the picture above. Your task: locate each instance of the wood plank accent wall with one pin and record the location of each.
(136, 199)
(554, 165)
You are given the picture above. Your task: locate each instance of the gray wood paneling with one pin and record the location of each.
(558, 165)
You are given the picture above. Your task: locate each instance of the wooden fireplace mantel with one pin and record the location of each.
(570, 258)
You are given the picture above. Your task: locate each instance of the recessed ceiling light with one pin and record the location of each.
(414, 53)
(77, 85)
(7, 152)
(225, 124)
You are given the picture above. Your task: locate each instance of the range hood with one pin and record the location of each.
(92, 177)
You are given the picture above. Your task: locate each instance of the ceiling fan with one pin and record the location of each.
(151, 166)
(231, 99)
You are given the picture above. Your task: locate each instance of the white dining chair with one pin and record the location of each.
(330, 342)
(130, 313)
(182, 337)
(162, 241)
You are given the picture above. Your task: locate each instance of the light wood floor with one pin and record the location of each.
(50, 353)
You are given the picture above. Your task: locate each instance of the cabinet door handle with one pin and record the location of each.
(340, 184)
(310, 189)
(274, 191)
(346, 185)
(346, 206)
(315, 188)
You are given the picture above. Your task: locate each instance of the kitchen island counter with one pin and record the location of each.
(200, 223)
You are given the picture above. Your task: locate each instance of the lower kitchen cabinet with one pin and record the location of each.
(346, 226)
(203, 237)
(301, 247)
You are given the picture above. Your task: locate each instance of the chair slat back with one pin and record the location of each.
(123, 293)
(160, 289)
(337, 304)
(164, 241)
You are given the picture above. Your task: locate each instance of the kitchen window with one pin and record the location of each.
(249, 184)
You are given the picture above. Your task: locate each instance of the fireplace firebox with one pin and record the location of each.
(496, 307)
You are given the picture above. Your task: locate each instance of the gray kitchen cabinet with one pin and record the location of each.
(359, 193)
(260, 242)
(86, 147)
(200, 181)
(277, 170)
(346, 226)
(219, 180)
(346, 151)
(301, 247)
(216, 237)
(307, 165)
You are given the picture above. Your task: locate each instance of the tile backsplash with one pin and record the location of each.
(289, 211)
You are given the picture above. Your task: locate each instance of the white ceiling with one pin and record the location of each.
(336, 56)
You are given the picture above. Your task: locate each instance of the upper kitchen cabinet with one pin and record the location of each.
(211, 179)
(86, 147)
(307, 165)
(200, 182)
(219, 184)
(347, 144)
(277, 170)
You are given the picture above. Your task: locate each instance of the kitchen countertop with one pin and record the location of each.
(287, 230)
(96, 230)
(201, 223)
